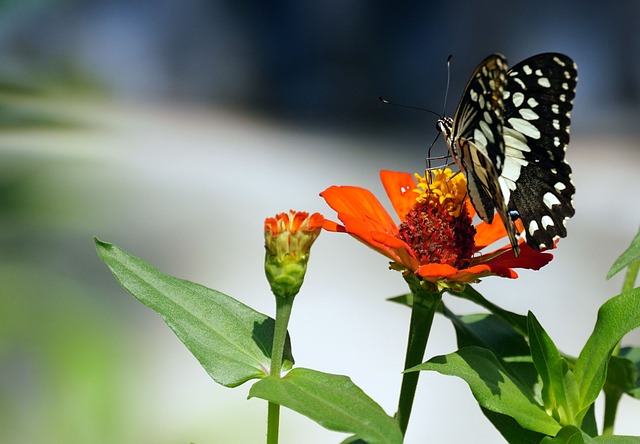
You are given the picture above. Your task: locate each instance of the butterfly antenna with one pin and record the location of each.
(444, 109)
(446, 91)
(389, 102)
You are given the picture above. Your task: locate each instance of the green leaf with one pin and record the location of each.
(353, 440)
(617, 439)
(493, 387)
(403, 299)
(559, 388)
(622, 375)
(517, 321)
(513, 432)
(617, 317)
(489, 331)
(573, 435)
(332, 401)
(630, 255)
(589, 424)
(230, 340)
(631, 354)
(569, 435)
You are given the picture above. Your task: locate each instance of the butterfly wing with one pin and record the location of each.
(476, 142)
(535, 180)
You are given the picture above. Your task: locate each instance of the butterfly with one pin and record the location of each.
(509, 135)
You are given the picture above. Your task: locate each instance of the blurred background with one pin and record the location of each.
(173, 128)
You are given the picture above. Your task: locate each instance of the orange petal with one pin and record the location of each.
(478, 271)
(401, 252)
(399, 187)
(486, 234)
(360, 205)
(471, 211)
(330, 225)
(436, 270)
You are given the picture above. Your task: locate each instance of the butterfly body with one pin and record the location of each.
(509, 135)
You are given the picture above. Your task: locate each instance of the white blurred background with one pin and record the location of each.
(174, 128)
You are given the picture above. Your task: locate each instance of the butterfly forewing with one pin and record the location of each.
(536, 180)
(475, 139)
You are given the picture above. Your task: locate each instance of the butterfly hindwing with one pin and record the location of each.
(536, 180)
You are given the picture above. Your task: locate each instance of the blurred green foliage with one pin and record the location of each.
(60, 357)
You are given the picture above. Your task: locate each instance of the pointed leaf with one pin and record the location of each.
(403, 299)
(493, 387)
(230, 340)
(559, 388)
(630, 255)
(617, 317)
(489, 331)
(332, 401)
(517, 321)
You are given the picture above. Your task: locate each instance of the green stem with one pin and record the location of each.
(612, 397)
(631, 276)
(273, 422)
(283, 312)
(423, 309)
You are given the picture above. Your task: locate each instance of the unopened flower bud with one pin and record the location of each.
(288, 239)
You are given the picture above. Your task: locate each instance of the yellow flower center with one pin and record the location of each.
(443, 187)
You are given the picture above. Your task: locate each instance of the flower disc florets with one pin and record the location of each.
(436, 236)
(435, 240)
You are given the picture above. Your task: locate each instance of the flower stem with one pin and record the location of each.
(283, 312)
(612, 397)
(423, 309)
(631, 276)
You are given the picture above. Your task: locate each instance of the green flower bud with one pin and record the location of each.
(288, 239)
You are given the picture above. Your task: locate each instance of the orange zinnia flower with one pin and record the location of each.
(436, 239)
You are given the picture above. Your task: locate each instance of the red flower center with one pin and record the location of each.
(436, 236)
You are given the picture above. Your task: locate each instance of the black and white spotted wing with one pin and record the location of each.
(509, 134)
(475, 140)
(535, 179)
